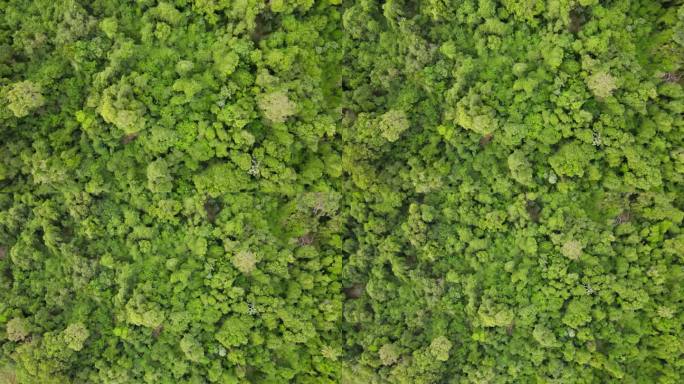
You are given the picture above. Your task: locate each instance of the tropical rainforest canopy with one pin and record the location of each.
(338, 191)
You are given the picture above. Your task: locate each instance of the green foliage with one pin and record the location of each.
(524, 214)
(148, 223)
(331, 191)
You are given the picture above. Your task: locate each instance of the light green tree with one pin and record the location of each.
(75, 335)
(276, 106)
(17, 329)
(24, 97)
(392, 124)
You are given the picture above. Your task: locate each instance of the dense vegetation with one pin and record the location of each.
(399, 191)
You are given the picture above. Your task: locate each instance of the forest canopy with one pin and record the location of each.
(341, 191)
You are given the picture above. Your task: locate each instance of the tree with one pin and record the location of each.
(544, 336)
(24, 97)
(602, 84)
(389, 353)
(520, 168)
(577, 312)
(159, 178)
(276, 106)
(233, 332)
(572, 249)
(75, 335)
(571, 159)
(392, 124)
(192, 348)
(440, 347)
(17, 329)
(244, 261)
